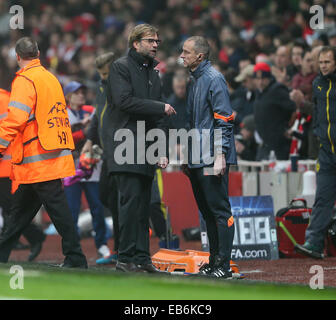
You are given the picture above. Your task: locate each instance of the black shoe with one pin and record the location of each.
(35, 250)
(127, 267)
(309, 250)
(205, 270)
(150, 268)
(220, 272)
(71, 266)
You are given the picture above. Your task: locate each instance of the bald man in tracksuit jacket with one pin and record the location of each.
(209, 109)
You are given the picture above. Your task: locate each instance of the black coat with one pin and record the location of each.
(272, 111)
(133, 94)
(97, 132)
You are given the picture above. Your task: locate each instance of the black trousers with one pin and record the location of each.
(108, 195)
(156, 215)
(325, 198)
(27, 200)
(32, 232)
(133, 204)
(211, 194)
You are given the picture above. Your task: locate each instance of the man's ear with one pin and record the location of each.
(136, 44)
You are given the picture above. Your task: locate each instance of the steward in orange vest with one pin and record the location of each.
(5, 166)
(33, 233)
(38, 129)
(38, 126)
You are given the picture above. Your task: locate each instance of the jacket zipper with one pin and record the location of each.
(328, 117)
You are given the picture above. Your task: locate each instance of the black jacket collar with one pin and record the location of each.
(330, 76)
(141, 60)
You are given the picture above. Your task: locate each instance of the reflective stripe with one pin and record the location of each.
(46, 156)
(20, 106)
(31, 117)
(4, 142)
(226, 119)
(6, 157)
(3, 115)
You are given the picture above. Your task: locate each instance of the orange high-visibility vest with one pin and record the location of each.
(5, 163)
(39, 127)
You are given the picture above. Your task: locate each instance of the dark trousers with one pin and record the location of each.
(281, 152)
(324, 199)
(133, 201)
(27, 200)
(108, 195)
(156, 214)
(211, 194)
(73, 194)
(32, 232)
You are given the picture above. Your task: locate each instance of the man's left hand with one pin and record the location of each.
(220, 165)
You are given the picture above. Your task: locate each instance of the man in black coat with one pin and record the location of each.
(273, 110)
(134, 94)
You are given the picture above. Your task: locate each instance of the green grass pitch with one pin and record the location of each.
(44, 282)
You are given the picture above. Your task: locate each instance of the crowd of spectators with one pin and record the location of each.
(241, 33)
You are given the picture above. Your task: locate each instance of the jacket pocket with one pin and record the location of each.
(17, 149)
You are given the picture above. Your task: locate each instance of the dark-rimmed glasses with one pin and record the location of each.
(151, 41)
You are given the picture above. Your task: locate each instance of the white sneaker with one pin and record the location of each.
(104, 251)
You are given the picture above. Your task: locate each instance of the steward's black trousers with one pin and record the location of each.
(211, 194)
(32, 233)
(133, 201)
(26, 202)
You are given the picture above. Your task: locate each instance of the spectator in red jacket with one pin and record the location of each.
(304, 79)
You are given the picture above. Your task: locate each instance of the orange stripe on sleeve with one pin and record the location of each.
(230, 221)
(226, 119)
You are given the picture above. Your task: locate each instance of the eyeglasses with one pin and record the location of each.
(151, 41)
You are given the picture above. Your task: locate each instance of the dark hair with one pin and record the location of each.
(26, 48)
(305, 51)
(327, 49)
(201, 45)
(301, 44)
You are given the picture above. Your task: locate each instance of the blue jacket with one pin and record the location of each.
(210, 115)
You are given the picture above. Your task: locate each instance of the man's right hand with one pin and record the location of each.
(169, 110)
(297, 96)
(87, 147)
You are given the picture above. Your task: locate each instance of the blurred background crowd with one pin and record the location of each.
(241, 33)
